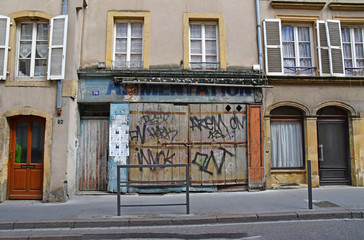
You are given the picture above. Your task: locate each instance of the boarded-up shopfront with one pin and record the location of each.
(204, 126)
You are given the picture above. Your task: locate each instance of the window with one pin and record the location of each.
(128, 45)
(289, 48)
(127, 40)
(32, 49)
(286, 138)
(297, 49)
(352, 40)
(203, 46)
(37, 48)
(204, 41)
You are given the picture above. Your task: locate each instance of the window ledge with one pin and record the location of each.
(340, 6)
(28, 83)
(288, 171)
(312, 5)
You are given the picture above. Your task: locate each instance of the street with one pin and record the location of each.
(311, 229)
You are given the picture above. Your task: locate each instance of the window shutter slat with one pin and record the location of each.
(57, 48)
(333, 30)
(323, 49)
(4, 45)
(273, 47)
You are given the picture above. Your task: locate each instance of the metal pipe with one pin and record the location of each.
(260, 56)
(60, 82)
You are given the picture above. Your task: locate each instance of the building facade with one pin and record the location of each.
(313, 53)
(171, 83)
(38, 118)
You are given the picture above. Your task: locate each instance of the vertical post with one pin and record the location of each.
(187, 189)
(309, 179)
(118, 188)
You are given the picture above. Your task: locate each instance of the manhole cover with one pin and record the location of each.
(325, 204)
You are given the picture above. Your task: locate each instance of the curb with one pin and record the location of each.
(181, 220)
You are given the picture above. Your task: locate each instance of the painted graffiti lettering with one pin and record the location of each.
(162, 133)
(153, 132)
(158, 157)
(203, 160)
(216, 126)
(155, 119)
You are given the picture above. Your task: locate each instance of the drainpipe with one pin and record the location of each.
(60, 82)
(260, 56)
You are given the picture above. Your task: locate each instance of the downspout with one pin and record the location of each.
(60, 82)
(260, 56)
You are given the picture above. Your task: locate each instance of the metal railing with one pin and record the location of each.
(157, 183)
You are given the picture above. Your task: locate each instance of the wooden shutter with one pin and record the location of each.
(330, 53)
(273, 47)
(333, 30)
(4, 45)
(323, 49)
(57, 48)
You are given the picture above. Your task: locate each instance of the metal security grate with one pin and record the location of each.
(325, 204)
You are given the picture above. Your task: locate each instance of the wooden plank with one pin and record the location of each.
(92, 162)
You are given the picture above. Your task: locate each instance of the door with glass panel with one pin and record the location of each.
(26, 155)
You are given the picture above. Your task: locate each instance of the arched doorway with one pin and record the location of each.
(333, 146)
(26, 157)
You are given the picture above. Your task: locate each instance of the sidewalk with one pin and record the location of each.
(101, 210)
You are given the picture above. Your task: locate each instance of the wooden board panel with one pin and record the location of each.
(218, 139)
(158, 135)
(92, 162)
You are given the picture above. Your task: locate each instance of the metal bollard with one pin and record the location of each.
(309, 178)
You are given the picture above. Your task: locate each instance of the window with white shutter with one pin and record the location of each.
(57, 47)
(4, 45)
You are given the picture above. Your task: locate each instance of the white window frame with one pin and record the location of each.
(203, 40)
(128, 47)
(33, 49)
(297, 50)
(353, 48)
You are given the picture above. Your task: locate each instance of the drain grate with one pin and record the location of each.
(325, 204)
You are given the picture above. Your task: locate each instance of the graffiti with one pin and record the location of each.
(153, 132)
(203, 160)
(155, 119)
(216, 126)
(150, 158)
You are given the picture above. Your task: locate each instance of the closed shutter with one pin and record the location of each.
(57, 48)
(4, 45)
(273, 47)
(333, 30)
(330, 52)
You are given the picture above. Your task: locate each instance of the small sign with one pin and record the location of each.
(95, 93)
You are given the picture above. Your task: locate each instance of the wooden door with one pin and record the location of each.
(26, 158)
(218, 140)
(92, 165)
(333, 151)
(158, 135)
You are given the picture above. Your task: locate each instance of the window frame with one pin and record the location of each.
(289, 118)
(34, 40)
(112, 17)
(203, 40)
(128, 47)
(297, 56)
(204, 17)
(353, 44)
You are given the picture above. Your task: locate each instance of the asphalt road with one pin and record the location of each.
(342, 229)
